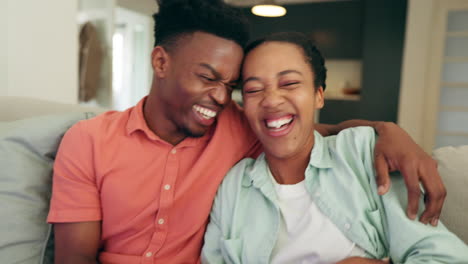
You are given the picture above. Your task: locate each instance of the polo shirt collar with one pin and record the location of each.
(320, 157)
(136, 121)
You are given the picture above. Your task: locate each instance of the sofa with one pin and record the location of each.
(30, 133)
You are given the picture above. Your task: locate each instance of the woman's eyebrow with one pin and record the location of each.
(250, 79)
(288, 72)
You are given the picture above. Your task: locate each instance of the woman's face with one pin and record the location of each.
(280, 98)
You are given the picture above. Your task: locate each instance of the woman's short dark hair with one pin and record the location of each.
(311, 54)
(177, 18)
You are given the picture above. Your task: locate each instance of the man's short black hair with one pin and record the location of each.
(311, 54)
(177, 18)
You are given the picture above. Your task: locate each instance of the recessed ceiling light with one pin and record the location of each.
(269, 9)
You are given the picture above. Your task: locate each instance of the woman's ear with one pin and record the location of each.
(160, 60)
(319, 99)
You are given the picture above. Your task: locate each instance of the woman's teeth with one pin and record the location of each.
(278, 122)
(205, 112)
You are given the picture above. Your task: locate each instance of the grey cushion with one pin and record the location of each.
(453, 168)
(13, 108)
(27, 152)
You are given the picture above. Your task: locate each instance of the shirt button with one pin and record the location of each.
(173, 151)
(167, 187)
(161, 221)
(149, 254)
(347, 226)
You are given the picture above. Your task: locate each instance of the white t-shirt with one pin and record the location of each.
(306, 235)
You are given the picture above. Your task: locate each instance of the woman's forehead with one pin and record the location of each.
(275, 50)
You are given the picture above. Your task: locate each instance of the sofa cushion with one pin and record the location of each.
(27, 152)
(453, 168)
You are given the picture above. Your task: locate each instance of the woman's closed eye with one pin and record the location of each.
(252, 90)
(289, 84)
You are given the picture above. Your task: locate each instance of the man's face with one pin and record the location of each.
(198, 82)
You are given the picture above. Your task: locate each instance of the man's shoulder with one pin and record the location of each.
(231, 113)
(101, 123)
(233, 124)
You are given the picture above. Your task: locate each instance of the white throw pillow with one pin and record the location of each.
(453, 168)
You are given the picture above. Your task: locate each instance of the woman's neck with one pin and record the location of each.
(291, 170)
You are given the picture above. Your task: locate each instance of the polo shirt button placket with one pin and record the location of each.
(347, 226)
(148, 258)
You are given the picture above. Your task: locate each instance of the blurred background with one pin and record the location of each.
(404, 61)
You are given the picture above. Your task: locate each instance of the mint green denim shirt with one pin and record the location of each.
(340, 177)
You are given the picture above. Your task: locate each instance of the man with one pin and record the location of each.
(137, 186)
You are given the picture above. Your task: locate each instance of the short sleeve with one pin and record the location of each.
(75, 195)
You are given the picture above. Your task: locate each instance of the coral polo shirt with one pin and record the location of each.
(153, 198)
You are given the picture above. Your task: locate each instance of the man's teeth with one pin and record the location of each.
(206, 113)
(278, 123)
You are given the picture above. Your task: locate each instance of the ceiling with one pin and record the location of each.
(149, 6)
(253, 2)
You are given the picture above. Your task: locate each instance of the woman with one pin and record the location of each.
(309, 199)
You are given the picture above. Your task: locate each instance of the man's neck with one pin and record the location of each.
(158, 123)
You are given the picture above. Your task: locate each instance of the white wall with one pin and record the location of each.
(42, 50)
(3, 47)
(416, 57)
(147, 7)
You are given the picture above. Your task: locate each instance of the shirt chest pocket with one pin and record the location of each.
(231, 250)
(375, 230)
(244, 250)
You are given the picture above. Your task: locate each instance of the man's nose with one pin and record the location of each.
(221, 94)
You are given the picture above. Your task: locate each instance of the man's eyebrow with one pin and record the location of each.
(217, 75)
(212, 70)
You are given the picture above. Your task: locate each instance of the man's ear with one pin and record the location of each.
(319, 99)
(160, 60)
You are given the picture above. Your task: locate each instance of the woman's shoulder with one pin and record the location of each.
(240, 171)
(358, 135)
(353, 144)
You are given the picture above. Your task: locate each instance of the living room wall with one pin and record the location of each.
(42, 44)
(3, 47)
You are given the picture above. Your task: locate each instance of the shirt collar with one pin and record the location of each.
(320, 157)
(136, 121)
